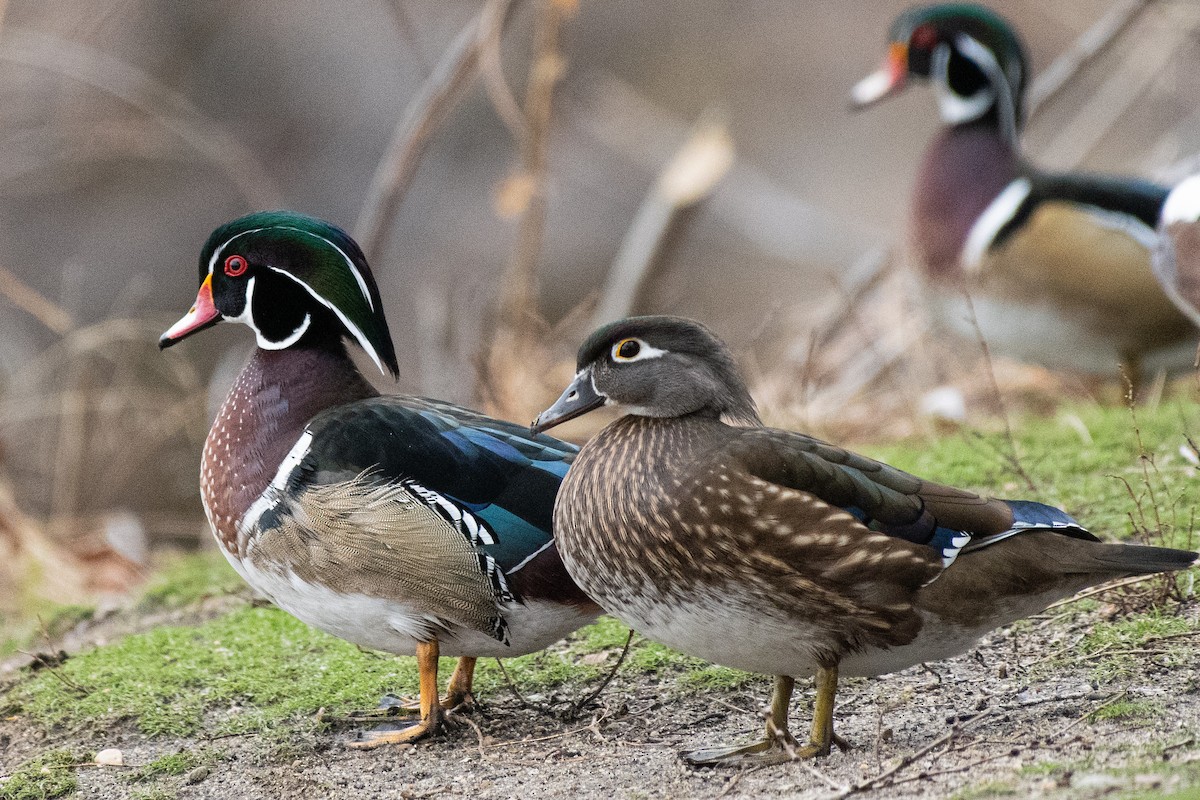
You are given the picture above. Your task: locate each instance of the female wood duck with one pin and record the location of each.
(396, 523)
(1057, 265)
(773, 552)
(1177, 255)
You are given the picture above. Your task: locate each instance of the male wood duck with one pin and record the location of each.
(1177, 255)
(1057, 265)
(397, 523)
(773, 552)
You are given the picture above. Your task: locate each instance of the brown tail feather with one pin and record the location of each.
(1139, 559)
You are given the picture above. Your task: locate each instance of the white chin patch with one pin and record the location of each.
(284, 343)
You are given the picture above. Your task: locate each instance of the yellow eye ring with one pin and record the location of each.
(626, 350)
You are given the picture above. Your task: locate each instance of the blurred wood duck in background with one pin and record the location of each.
(774, 552)
(1057, 265)
(396, 523)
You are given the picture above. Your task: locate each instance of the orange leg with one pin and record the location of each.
(458, 692)
(432, 716)
(459, 696)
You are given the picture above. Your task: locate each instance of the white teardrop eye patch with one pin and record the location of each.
(634, 350)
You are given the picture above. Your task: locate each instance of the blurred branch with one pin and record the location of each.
(1126, 82)
(516, 359)
(33, 302)
(134, 87)
(770, 216)
(689, 177)
(1084, 49)
(501, 96)
(518, 296)
(408, 32)
(452, 76)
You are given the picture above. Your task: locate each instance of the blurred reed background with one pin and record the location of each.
(514, 169)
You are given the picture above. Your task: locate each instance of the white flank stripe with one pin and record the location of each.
(1133, 227)
(274, 491)
(531, 557)
(998, 214)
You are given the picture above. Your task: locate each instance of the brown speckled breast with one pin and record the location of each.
(275, 395)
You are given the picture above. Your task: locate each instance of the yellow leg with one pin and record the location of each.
(779, 745)
(822, 735)
(432, 715)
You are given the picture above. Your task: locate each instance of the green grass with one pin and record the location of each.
(188, 578)
(52, 774)
(1127, 709)
(1109, 643)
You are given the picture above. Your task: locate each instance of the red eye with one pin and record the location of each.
(235, 265)
(924, 37)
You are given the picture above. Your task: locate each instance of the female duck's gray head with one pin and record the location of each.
(654, 366)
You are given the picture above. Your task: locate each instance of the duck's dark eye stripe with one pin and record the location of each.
(628, 349)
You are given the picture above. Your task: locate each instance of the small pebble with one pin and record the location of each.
(198, 774)
(112, 757)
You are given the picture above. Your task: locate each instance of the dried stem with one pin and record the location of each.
(33, 302)
(686, 180)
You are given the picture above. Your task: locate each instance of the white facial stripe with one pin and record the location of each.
(362, 283)
(998, 214)
(247, 318)
(290, 340)
(359, 336)
(953, 107)
(645, 351)
(216, 256)
(358, 277)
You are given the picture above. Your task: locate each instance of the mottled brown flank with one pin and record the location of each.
(361, 538)
(262, 417)
(671, 505)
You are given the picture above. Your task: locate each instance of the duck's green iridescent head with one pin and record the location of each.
(974, 58)
(288, 276)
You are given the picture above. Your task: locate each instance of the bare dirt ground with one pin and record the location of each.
(1021, 716)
